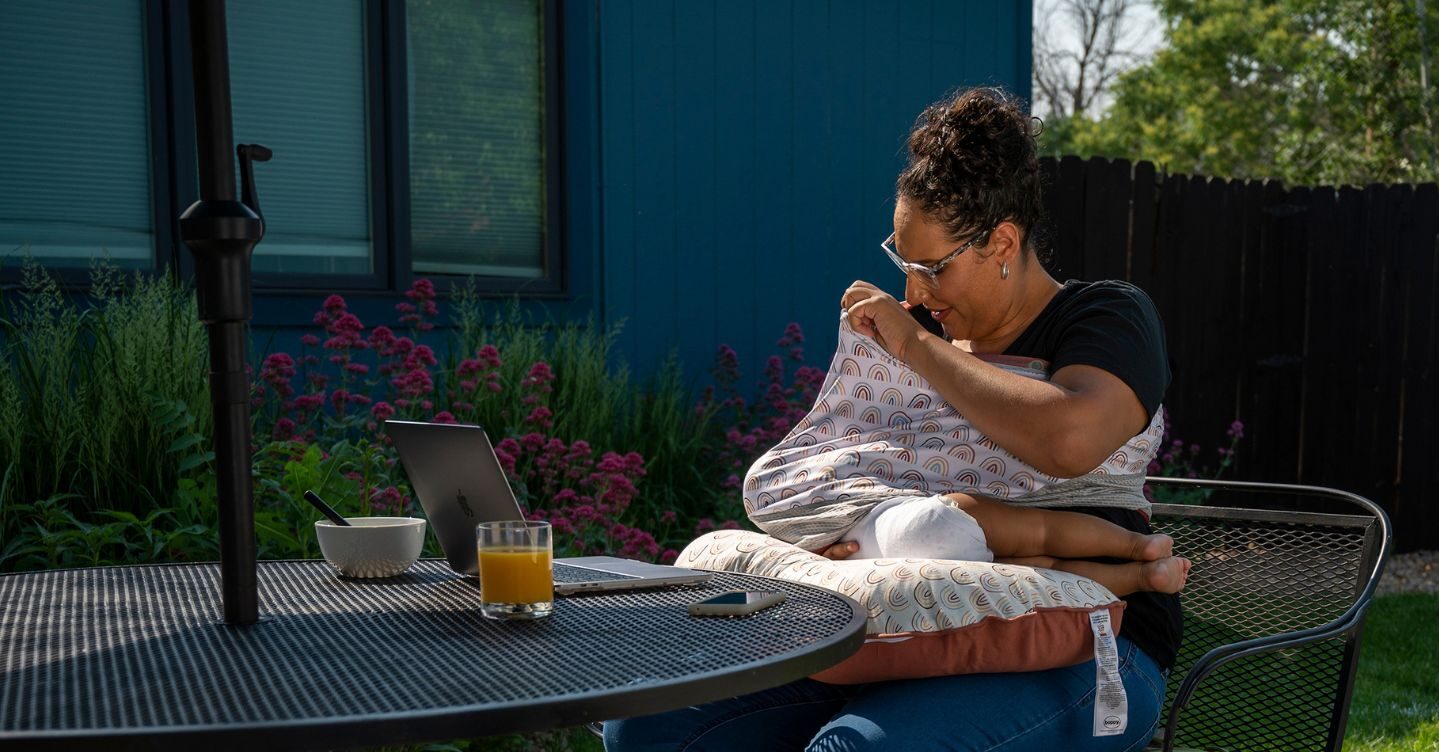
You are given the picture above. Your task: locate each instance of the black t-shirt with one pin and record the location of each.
(1111, 325)
(1114, 326)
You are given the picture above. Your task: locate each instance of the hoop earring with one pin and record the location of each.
(1004, 270)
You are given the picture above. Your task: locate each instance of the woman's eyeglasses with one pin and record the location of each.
(929, 274)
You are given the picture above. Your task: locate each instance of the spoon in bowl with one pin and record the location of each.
(326, 509)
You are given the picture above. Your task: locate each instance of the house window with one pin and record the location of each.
(297, 86)
(476, 135)
(409, 138)
(75, 180)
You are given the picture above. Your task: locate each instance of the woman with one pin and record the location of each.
(966, 207)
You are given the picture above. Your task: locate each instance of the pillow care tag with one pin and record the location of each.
(1111, 705)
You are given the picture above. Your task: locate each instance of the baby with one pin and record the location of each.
(960, 526)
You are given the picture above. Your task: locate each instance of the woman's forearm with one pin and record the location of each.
(1037, 421)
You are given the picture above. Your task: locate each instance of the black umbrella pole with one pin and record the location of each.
(222, 233)
(230, 403)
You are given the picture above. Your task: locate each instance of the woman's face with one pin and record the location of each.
(968, 298)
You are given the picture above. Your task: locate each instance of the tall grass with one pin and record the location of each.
(82, 386)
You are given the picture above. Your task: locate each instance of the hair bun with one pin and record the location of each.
(973, 163)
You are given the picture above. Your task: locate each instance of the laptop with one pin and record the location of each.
(459, 482)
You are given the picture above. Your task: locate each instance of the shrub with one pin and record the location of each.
(98, 401)
(1180, 459)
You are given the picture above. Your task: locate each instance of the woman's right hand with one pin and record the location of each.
(841, 550)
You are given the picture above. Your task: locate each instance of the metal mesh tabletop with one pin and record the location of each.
(137, 656)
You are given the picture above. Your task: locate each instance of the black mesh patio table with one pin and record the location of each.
(137, 657)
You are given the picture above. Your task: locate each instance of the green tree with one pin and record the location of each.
(1307, 91)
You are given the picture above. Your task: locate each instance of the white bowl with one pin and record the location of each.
(371, 546)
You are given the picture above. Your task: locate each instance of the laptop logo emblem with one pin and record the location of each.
(463, 502)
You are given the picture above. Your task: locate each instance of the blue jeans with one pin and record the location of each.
(1043, 711)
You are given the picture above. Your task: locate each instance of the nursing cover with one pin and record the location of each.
(878, 429)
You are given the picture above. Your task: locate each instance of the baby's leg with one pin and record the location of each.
(1166, 575)
(919, 527)
(1016, 532)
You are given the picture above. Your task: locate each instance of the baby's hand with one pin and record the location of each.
(842, 550)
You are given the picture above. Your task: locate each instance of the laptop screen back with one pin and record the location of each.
(458, 480)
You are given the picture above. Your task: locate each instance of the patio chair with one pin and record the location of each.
(1273, 612)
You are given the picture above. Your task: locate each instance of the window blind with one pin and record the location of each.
(476, 137)
(75, 181)
(297, 80)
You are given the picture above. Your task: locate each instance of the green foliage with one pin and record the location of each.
(100, 404)
(344, 475)
(1306, 91)
(1180, 459)
(596, 401)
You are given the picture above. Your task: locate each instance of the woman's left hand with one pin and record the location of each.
(876, 314)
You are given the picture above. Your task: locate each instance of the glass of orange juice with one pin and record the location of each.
(515, 577)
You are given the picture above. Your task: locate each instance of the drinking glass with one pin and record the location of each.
(515, 577)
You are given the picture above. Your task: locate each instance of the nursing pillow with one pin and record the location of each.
(931, 617)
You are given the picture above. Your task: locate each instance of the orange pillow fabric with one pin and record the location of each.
(931, 617)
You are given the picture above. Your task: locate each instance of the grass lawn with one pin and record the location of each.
(1396, 697)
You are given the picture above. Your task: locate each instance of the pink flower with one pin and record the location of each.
(381, 339)
(310, 340)
(414, 383)
(284, 429)
(445, 417)
(540, 416)
(539, 374)
(382, 411)
(421, 356)
(308, 402)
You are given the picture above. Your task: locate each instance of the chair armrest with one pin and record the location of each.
(1350, 620)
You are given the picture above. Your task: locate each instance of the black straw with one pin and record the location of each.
(326, 509)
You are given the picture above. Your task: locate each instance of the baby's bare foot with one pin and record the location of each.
(1153, 547)
(1167, 575)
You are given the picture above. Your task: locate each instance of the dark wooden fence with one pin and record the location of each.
(1307, 313)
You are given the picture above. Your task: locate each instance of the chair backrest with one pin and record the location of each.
(1256, 574)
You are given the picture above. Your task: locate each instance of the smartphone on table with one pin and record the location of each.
(736, 603)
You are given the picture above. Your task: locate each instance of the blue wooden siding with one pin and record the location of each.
(748, 150)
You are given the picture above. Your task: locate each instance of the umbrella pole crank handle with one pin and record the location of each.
(249, 154)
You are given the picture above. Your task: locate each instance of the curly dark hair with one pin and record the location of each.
(973, 164)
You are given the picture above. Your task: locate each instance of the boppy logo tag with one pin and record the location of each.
(1112, 722)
